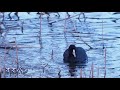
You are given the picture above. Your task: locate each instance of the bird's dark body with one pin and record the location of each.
(80, 56)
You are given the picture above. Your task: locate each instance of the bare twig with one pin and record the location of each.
(17, 62)
(22, 28)
(0, 72)
(59, 74)
(102, 35)
(44, 67)
(98, 72)
(52, 55)
(86, 43)
(92, 68)
(85, 74)
(105, 63)
(81, 73)
(40, 37)
(4, 72)
(65, 31)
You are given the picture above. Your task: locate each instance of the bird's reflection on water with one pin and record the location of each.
(74, 66)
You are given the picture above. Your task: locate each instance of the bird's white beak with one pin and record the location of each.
(74, 53)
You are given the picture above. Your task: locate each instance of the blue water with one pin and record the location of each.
(97, 31)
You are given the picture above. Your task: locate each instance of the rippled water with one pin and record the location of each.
(99, 30)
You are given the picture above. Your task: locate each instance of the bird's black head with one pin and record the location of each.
(71, 47)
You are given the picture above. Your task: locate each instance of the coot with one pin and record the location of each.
(75, 55)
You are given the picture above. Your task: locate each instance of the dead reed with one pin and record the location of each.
(98, 70)
(65, 30)
(102, 35)
(85, 74)
(22, 28)
(43, 68)
(17, 61)
(81, 73)
(59, 74)
(105, 62)
(52, 55)
(104, 48)
(40, 37)
(92, 69)
(0, 72)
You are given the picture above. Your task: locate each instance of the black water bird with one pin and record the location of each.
(75, 55)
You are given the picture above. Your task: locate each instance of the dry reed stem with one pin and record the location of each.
(81, 73)
(0, 72)
(65, 24)
(40, 37)
(98, 72)
(75, 28)
(65, 31)
(102, 34)
(22, 26)
(105, 63)
(59, 74)
(102, 29)
(92, 69)
(84, 74)
(40, 24)
(52, 55)
(5, 54)
(44, 67)
(17, 62)
(4, 72)
(90, 74)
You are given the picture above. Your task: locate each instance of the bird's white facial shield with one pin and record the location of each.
(74, 53)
